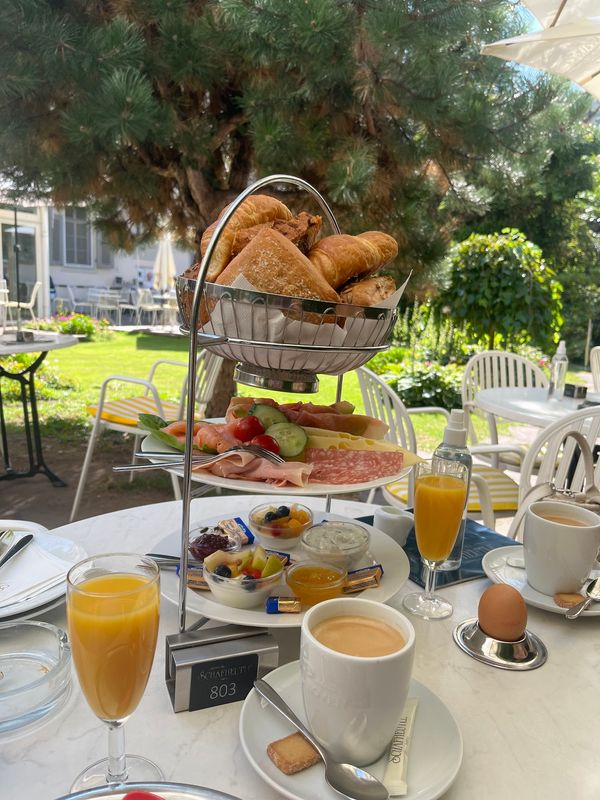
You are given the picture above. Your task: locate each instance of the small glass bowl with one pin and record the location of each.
(314, 581)
(279, 535)
(231, 542)
(342, 544)
(35, 672)
(241, 592)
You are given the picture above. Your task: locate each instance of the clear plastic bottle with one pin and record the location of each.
(558, 371)
(454, 448)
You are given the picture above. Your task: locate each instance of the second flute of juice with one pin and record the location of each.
(439, 505)
(113, 626)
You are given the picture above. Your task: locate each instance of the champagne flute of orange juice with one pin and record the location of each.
(112, 612)
(439, 501)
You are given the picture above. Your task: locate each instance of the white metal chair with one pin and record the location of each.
(78, 306)
(491, 489)
(126, 305)
(108, 304)
(595, 367)
(494, 369)
(3, 302)
(147, 305)
(122, 415)
(26, 305)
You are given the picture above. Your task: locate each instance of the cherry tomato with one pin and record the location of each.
(268, 442)
(247, 428)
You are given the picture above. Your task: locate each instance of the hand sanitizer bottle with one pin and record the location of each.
(558, 371)
(454, 448)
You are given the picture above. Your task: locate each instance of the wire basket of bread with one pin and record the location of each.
(285, 298)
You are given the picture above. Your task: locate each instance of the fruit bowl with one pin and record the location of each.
(279, 527)
(242, 580)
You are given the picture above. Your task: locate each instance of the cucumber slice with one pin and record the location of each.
(292, 439)
(268, 415)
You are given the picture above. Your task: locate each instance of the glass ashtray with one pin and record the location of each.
(35, 672)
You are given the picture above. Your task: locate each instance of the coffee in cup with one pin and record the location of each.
(356, 661)
(560, 545)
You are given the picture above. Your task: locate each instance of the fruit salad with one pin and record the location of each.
(281, 526)
(244, 579)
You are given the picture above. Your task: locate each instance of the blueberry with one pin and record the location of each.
(283, 511)
(249, 583)
(222, 570)
(271, 516)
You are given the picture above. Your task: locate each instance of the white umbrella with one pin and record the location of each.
(164, 266)
(561, 12)
(570, 50)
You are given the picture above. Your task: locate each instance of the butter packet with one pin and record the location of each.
(236, 527)
(364, 578)
(396, 768)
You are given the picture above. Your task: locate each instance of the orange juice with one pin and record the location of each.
(439, 506)
(113, 625)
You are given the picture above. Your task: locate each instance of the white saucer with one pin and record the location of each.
(435, 753)
(49, 598)
(382, 548)
(496, 568)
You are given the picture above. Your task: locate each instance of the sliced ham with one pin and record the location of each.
(248, 467)
(358, 424)
(357, 466)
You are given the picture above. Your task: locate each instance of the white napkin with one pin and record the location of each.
(30, 572)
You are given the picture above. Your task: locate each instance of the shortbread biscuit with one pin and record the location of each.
(566, 600)
(292, 754)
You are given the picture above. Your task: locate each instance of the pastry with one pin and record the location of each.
(302, 230)
(368, 292)
(341, 257)
(292, 754)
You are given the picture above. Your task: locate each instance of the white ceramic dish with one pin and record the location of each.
(63, 548)
(383, 550)
(435, 753)
(168, 791)
(153, 445)
(498, 570)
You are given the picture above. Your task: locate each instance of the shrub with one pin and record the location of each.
(48, 383)
(421, 383)
(75, 325)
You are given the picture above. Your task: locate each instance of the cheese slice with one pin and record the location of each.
(324, 439)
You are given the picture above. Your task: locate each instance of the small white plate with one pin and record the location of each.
(434, 759)
(383, 549)
(154, 445)
(498, 570)
(62, 548)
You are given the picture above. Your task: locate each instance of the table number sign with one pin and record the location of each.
(216, 666)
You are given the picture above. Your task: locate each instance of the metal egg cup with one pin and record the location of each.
(527, 653)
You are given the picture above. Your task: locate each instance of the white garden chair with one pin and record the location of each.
(595, 367)
(491, 489)
(26, 305)
(122, 415)
(495, 369)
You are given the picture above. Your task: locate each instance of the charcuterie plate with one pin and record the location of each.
(151, 444)
(382, 550)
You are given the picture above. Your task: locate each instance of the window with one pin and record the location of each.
(78, 237)
(74, 243)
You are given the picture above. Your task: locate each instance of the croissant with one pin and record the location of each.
(302, 230)
(271, 263)
(341, 257)
(254, 210)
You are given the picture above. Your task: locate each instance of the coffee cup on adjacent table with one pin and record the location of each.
(560, 545)
(396, 522)
(356, 660)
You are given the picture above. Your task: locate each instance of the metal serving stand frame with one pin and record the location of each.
(189, 637)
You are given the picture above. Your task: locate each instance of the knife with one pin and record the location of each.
(16, 548)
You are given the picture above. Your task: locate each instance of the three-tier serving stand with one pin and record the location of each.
(279, 343)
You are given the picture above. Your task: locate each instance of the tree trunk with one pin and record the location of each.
(224, 391)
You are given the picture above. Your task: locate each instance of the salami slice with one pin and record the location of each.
(351, 466)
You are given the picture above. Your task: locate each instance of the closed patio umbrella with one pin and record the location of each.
(164, 266)
(571, 50)
(561, 12)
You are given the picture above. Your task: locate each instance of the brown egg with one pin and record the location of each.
(502, 613)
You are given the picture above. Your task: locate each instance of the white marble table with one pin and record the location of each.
(530, 406)
(526, 735)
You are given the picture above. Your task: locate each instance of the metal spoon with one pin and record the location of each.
(16, 548)
(593, 595)
(349, 781)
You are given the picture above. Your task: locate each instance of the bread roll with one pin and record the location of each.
(271, 263)
(342, 257)
(368, 292)
(302, 230)
(254, 210)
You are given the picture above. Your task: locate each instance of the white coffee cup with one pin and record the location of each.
(396, 522)
(559, 556)
(353, 703)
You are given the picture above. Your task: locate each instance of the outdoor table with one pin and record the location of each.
(43, 342)
(530, 406)
(526, 734)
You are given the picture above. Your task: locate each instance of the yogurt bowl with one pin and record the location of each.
(340, 543)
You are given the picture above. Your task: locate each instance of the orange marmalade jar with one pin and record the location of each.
(312, 582)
